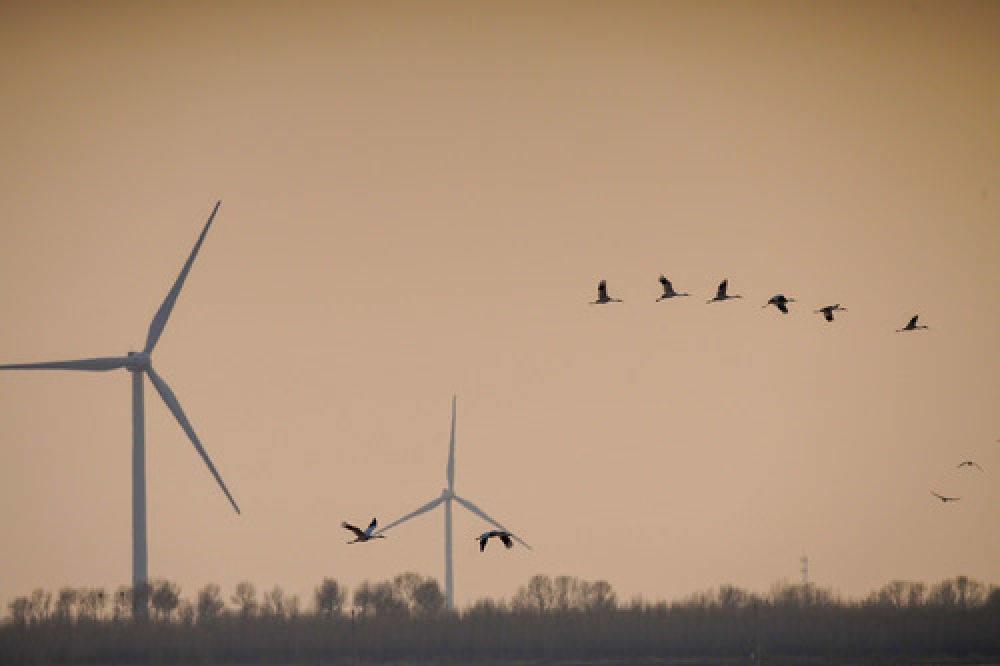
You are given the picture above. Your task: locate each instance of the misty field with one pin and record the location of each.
(548, 620)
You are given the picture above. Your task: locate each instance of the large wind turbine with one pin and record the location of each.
(447, 495)
(139, 364)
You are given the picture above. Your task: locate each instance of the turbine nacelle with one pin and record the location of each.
(138, 361)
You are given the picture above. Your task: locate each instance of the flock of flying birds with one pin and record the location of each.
(368, 534)
(780, 301)
(965, 463)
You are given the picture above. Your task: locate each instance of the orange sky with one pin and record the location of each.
(418, 200)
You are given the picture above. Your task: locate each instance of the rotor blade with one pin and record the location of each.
(94, 364)
(413, 514)
(160, 319)
(175, 407)
(479, 512)
(451, 450)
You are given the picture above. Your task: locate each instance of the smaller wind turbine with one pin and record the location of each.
(779, 301)
(944, 498)
(828, 311)
(970, 463)
(362, 534)
(447, 496)
(721, 293)
(910, 325)
(602, 294)
(668, 290)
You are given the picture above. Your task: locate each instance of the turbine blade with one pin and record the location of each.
(450, 472)
(163, 314)
(479, 512)
(413, 514)
(93, 364)
(175, 407)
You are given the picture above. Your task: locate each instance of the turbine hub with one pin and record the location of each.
(138, 361)
(447, 494)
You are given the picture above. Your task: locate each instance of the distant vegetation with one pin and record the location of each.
(548, 618)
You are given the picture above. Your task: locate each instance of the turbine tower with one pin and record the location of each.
(447, 495)
(139, 364)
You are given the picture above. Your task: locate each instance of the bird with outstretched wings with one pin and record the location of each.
(911, 325)
(828, 311)
(500, 534)
(779, 301)
(668, 290)
(602, 294)
(722, 293)
(360, 534)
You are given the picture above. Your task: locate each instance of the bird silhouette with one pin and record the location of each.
(668, 290)
(779, 301)
(602, 294)
(910, 325)
(501, 534)
(362, 535)
(944, 498)
(829, 310)
(970, 463)
(720, 293)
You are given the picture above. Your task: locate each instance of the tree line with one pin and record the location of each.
(560, 617)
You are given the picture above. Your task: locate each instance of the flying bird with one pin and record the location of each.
(945, 499)
(829, 310)
(970, 463)
(362, 535)
(668, 290)
(910, 325)
(503, 536)
(779, 301)
(720, 293)
(602, 294)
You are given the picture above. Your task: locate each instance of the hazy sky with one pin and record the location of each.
(418, 200)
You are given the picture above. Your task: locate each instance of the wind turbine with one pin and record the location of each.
(447, 495)
(139, 364)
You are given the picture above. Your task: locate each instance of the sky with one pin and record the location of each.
(418, 200)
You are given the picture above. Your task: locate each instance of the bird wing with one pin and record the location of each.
(667, 287)
(506, 540)
(721, 291)
(482, 542)
(828, 314)
(602, 290)
(913, 322)
(352, 528)
(941, 497)
(371, 526)
(781, 306)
